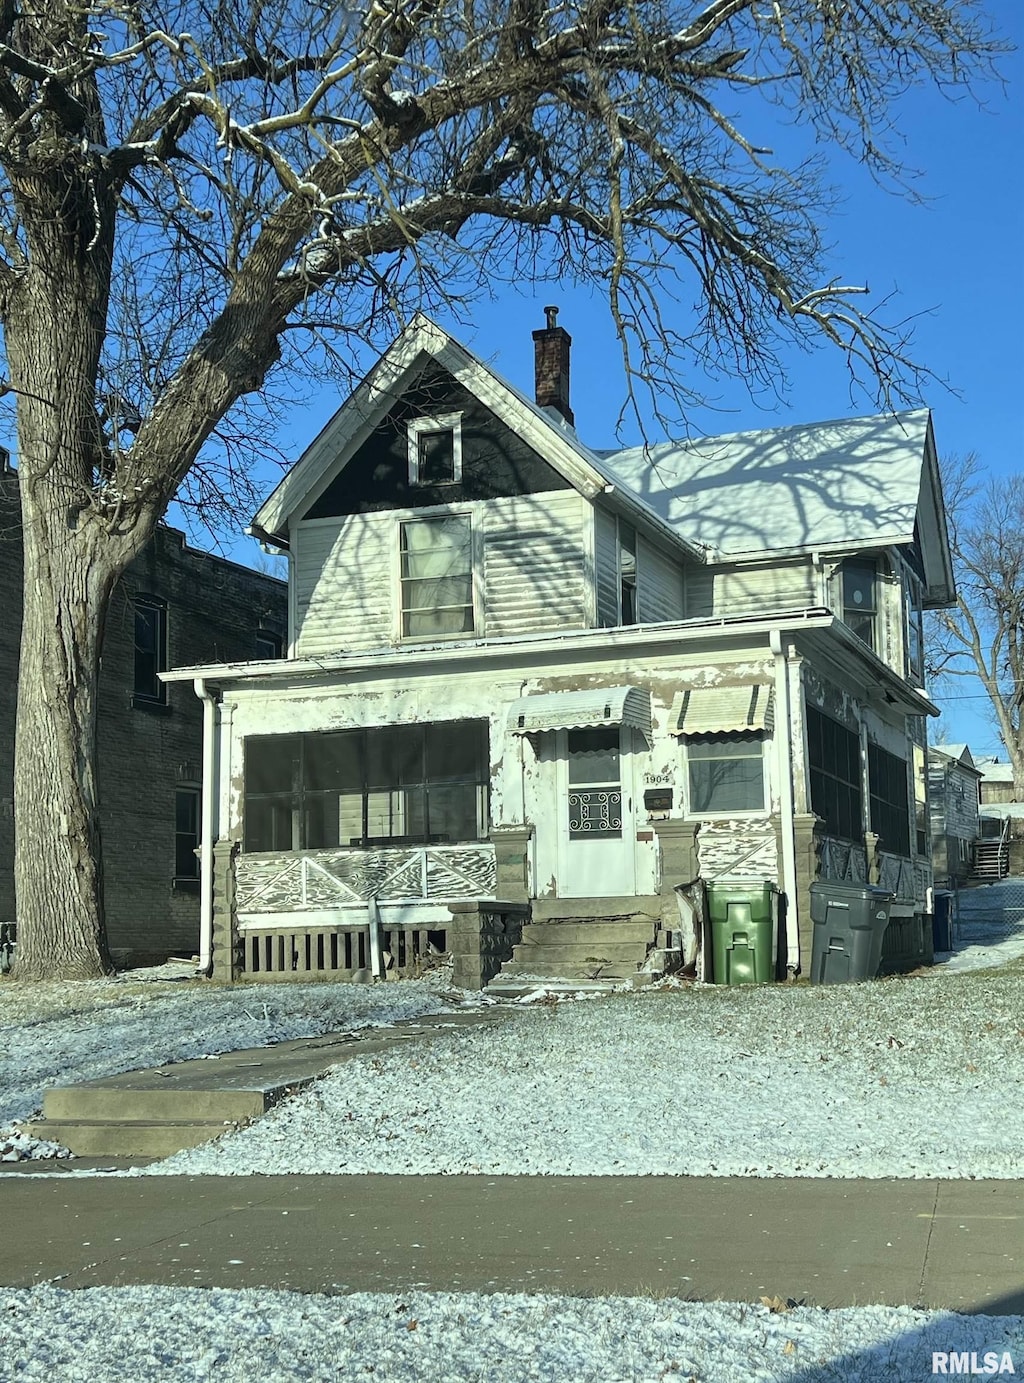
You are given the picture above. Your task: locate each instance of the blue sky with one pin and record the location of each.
(954, 261)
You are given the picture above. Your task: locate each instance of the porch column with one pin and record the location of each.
(807, 834)
(227, 960)
(679, 862)
(511, 862)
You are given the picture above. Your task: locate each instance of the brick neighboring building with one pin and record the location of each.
(175, 606)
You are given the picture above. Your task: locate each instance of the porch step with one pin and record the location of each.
(628, 931)
(591, 909)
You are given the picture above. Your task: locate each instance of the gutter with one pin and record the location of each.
(210, 698)
(784, 760)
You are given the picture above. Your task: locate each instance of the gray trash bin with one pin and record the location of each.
(849, 924)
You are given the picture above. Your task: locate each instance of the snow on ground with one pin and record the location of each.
(183, 1335)
(57, 1034)
(905, 1077)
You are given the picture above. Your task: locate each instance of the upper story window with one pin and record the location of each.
(833, 762)
(627, 573)
(860, 601)
(437, 577)
(150, 649)
(268, 644)
(915, 634)
(435, 450)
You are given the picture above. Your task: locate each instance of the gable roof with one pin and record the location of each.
(851, 483)
(959, 754)
(396, 370)
(831, 487)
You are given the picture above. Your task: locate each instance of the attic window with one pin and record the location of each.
(435, 450)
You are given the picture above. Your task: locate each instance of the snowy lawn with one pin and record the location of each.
(905, 1077)
(181, 1335)
(56, 1034)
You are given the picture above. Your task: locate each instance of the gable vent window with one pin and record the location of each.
(435, 450)
(437, 577)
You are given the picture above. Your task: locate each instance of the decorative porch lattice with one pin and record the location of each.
(332, 878)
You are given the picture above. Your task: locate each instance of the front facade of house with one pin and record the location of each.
(173, 605)
(523, 672)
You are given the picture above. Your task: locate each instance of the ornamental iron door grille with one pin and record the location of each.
(595, 792)
(595, 812)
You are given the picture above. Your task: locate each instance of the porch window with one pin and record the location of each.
(890, 800)
(833, 761)
(725, 775)
(437, 577)
(391, 785)
(595, 786)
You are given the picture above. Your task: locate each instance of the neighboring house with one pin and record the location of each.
(953, 780)
(524, 672)
(173, 605)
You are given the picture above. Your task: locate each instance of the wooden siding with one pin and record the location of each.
(533, 563)
(722, 591)
(606, 568)
(344, 578)
(659, 585)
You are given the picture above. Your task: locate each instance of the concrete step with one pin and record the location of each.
(511, 986)
(639, 932)
(92, 1103)
(127, 1137)
(584, 909)
(626, 954)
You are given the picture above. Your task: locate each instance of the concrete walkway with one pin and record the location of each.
(955, 1245)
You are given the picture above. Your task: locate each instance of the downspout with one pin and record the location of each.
(209, 699)
(784, 759)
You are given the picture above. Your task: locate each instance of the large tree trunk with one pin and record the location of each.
(58, 861)
(55, 323)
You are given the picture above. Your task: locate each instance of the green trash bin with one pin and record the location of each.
(744, 929)
(849, 927)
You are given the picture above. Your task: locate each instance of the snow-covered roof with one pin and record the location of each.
(995, 772)
(959, 753)
(836, 487)
(849, 483)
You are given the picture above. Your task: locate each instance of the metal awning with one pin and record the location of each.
(723, 710)
(580, 710)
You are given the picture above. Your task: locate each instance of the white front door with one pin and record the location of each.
(597, 850)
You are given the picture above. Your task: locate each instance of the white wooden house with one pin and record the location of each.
(521, 672)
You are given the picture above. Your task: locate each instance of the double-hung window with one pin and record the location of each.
(186, 834)
(437, 577)
(150, 649)
(860, 602)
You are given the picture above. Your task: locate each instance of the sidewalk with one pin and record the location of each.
(940, 1244)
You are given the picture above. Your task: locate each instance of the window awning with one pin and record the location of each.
(580, 710)
(723, 710)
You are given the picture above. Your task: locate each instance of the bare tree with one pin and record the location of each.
(194, 190)
(983, 635)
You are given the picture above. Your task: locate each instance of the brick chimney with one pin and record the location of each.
(551, 366)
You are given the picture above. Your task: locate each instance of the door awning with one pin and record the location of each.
(580, 710)
(723, 710)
